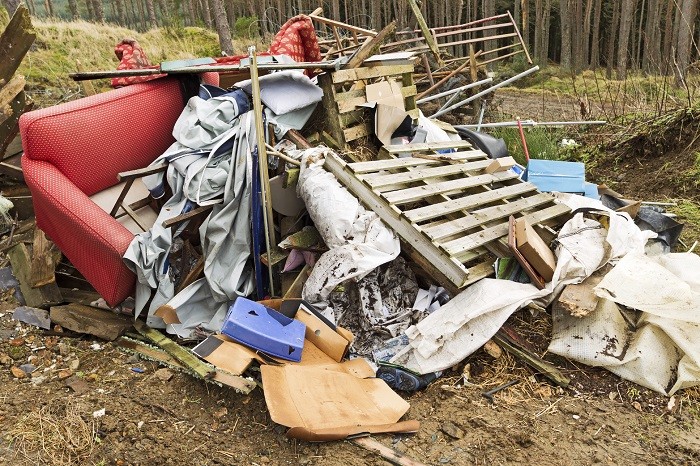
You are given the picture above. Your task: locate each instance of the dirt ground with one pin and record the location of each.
(152, 419)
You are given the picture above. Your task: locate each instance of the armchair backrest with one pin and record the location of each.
(91, 140)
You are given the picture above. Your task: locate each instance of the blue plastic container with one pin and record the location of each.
(556, 175)
(264, 329)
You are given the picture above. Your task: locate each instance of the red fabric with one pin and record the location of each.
(132, 57)
(297, 38)
(76, 149)
(93, 241)
(90, 140)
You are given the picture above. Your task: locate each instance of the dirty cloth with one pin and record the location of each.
(460, 327)
(210, 158)
(358, 240)
(655, 345)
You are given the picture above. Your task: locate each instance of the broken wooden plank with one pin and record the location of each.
(371, 46)
(389, 454)
(91, 320)
(357, 74)
(528, 357)
(426, 146)
(45, 258)
(43, 296)
(427, 33)
(8, 94)
(183, 355)
(15, 42)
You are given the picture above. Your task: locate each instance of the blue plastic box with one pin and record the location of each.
(264, 329)
(555, 175)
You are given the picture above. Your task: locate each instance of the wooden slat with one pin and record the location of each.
(457, 248)
(467, 202)
(377, 181)
(370, 72)
(403, 196)
(482, 216)
(356, 132)
(348, 105)
(409, 91)
(426, 146)
(15, 42)
(378, 165)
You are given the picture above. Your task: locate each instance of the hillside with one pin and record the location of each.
(59, 44)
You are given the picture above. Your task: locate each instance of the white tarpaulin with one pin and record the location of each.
(463, 325)
(656, 348)
(358, 240)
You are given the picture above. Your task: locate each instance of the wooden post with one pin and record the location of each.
(429, 39)
(262, 161)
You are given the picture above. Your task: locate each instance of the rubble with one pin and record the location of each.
(311, 231)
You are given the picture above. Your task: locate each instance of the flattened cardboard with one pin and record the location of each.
(311, 399)
(225, 354)
(534, 249)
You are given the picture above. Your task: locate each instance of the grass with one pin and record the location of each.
(542, 143)
(59, 44)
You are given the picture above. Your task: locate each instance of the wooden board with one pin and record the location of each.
(450, 214)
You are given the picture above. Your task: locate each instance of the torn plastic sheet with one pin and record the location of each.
(645, 283)
(358, 240)
(650, 349)
(470, 319)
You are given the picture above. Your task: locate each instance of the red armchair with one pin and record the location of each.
(75, 150)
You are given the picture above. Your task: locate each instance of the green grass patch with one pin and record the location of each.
(542, 143)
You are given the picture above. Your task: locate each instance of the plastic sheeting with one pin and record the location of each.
(211, 156)
(470, 319)
(657, 349)
(358, 240)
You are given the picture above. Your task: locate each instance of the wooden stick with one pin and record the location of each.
(370, 47)
(268, 216)
(389, 454)
(429, 39)
(183, 355)
(284, 157)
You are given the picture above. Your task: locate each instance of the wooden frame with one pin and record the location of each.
(130, 209)
(451, 215)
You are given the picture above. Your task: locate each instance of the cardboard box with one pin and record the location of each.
(534, 249)
(500, 165)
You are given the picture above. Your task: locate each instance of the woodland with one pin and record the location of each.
(653, 36)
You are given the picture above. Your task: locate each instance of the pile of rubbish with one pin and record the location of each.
(306, 217)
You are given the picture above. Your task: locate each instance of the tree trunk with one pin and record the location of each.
(626, 20)
(651, 41)
(222, 27)
(688, 13)
(594, 61)
(98, 8)
(121, 13)
(489, 9)
(90, 10)
(150, 8)
(586, 42)
(73, 10)
(565, 15)
(610, 58)
(207, 13)
(49, 8)
(525, 7)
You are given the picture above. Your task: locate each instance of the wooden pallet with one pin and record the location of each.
(344, 90)
(451, 215)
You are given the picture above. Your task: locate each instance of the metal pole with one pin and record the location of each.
(529, 123)
(268, 218)
(454, 91)
(486, 91)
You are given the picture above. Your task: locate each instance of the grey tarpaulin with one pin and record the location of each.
(211, 157)
(358, 240)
